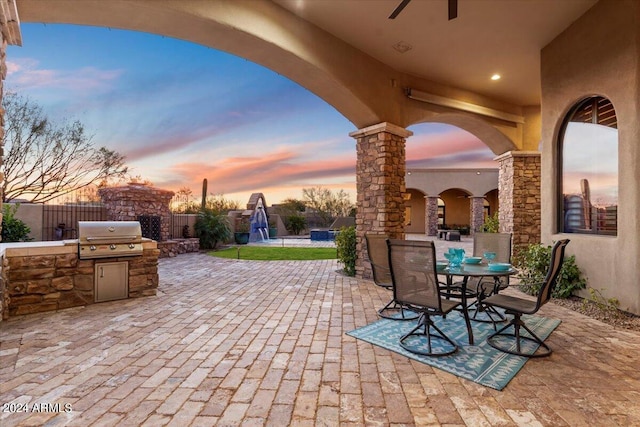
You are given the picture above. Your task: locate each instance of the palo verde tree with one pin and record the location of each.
(44, 160)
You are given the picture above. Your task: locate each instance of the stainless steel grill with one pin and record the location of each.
(109, 239)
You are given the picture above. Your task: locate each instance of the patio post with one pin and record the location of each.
(431, 215)
(519, 197)
(380, 185)
(477, 213)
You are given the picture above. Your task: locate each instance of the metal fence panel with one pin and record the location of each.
(182, 225)
(61, 221)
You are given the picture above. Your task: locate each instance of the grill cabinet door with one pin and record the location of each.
(111, 281)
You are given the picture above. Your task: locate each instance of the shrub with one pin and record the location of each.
(243, 226)
(211, 228)
(346, 246)
(534, 263)
(491, 224)
(13, 229)
(296, 223)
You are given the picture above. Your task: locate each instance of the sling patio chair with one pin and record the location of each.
(377, 252)
(500, 245)
(517, 307)
(415, 286)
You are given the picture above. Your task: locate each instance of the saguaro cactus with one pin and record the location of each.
(204, 194)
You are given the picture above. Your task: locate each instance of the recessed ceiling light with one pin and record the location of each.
(496, 77)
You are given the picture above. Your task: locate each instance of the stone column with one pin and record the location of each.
(380, 185)
(519, 196)
(477, 213)
(431, 215)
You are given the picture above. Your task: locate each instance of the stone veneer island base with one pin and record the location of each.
(47, 276)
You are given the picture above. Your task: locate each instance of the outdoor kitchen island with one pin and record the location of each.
(45, 276)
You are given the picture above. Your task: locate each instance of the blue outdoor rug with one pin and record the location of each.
(480, 363)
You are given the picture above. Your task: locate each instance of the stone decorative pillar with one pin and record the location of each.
(431, 215)
(519, 196)
(380, 185)
(477, 213)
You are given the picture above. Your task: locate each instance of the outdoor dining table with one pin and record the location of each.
(465, 271)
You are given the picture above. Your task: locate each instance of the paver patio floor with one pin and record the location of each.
(229, 342)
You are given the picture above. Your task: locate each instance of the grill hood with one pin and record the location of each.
(109, 239)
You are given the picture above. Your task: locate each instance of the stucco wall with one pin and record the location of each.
(31, 215)
(492, 198)
(598, 55)
(477, 182)
(457, 207)
(417, 205)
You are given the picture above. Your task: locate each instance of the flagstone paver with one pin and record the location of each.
(229, 342)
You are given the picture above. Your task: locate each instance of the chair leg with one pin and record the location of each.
(426, 324)
(493, 315)
(490, 311)
(396, 312)
(516, 339)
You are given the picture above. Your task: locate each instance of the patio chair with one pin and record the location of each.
(377, 252)
(415, 286)
(481, 288)
(518, 306)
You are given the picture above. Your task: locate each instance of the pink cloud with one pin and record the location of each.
(250, 173)
(24, 74)
(428, 146)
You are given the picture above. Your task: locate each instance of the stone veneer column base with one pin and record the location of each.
(380, 184)
(519, 197)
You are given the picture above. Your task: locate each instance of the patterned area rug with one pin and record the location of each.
(480, 363)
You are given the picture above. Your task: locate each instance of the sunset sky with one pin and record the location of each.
(181, 112)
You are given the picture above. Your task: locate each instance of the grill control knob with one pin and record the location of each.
(112, 247)
(131, 246)
(93, 248)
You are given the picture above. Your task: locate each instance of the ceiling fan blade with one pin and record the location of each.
(398, 9)
(453, 9)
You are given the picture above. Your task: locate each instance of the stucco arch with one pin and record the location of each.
(261, 32)
(362, 89)
(497, 141)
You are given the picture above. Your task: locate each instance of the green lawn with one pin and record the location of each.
(262, 253)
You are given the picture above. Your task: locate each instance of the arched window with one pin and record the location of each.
(588, 169)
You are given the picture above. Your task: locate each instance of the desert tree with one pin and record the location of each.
(219, 203)
(184, 202)
(44, 159)
(327, 205)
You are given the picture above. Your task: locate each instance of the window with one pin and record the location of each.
(588, 169)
